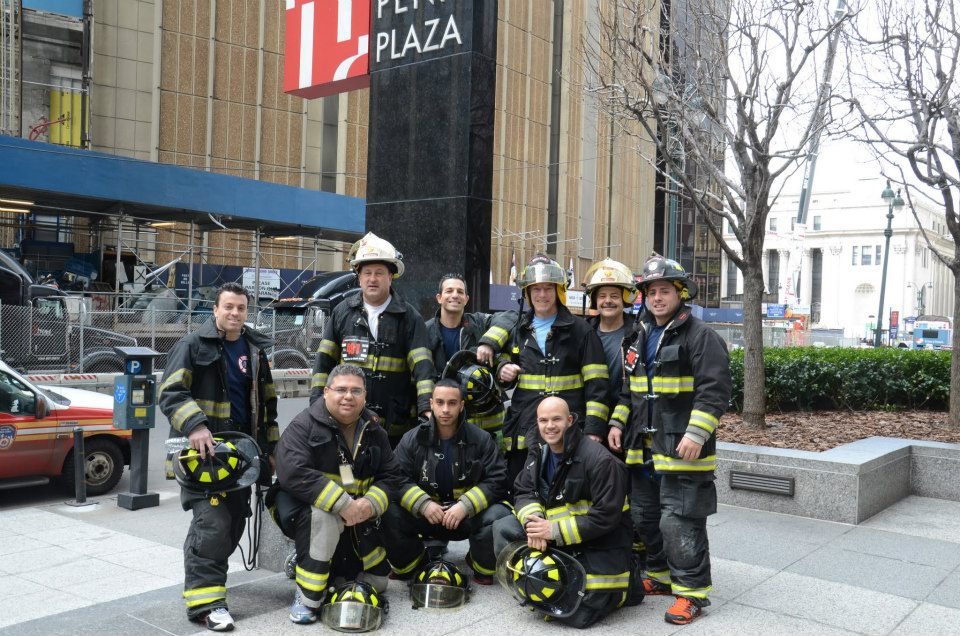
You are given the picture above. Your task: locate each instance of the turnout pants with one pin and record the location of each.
(607, 573)
(326, 549)
(404, 541)
(215, 532)
(678, 554)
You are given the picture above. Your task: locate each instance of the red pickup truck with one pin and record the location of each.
(36, 435)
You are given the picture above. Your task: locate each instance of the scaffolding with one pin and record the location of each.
(10, 47)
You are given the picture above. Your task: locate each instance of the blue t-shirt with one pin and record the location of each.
(542, 327)
(451, 340)
(237, 358)
(550, 467)
(444, 475)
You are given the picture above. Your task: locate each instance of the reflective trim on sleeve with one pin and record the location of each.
(318, 380)
(598, 409)
(184, 413)
(418, 355)
(664, 464)
(529, 510)
(702, 419)
(424, 387)
(183, 376)
(497, 334)
(328, 496)
(329, 348)
(595, 372)
(621, 413)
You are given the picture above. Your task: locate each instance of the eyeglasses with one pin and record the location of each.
(342, 391)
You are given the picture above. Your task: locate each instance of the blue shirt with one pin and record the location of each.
(451, 341)
(237, 359)
(550, 466)
(650, 352)
(542, 327)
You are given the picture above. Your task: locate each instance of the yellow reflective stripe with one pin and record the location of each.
(617, 581)
(529, 510)
(488, 423)
(377, 494)
(695, 592)
(318, 380)
(410, 566)
(269, 391)
(521, 442)
(535, 382)
(329, 348)
(568, 510)
(328, 496)
(702, 419)
(595, 372)
(634, 456)
(569, 531)
(313, 581)
(410, 498)
(424, 387)
(387, 363)
(273, 433)
(477, 499)
(660, 576)
(374, 558)
(621, 413)
(598, 409)
(476, 566)
(662, 463)
(638, 383)
(497, 334)
(418, 355)
(183, 376)
(683, 384)
(184, 413)
(204, 595)
(213, 409)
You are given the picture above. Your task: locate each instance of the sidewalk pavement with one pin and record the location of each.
(105, 570)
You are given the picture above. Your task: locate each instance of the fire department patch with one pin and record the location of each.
(7, 434)
(630, 360)
(355, 349)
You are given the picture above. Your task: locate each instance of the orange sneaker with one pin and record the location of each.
(682, 611)
(652, 587)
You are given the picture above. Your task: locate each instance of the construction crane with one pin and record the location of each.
(792, 294)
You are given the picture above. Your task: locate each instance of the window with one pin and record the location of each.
(879, 254)
(731, 278)
(924, 257)
(15, 397)
(816, 223)
(855, 250)
(773, 271)
(865, 257)
(773, 224)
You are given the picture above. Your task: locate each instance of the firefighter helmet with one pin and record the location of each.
(234, 464)
(660, 268)
(353, 607)
(541, 269)
(373, 249)
(550, 581)
(481, 391)
(610, 273)
(439, 585)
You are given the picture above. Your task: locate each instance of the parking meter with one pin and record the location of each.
(134, 408)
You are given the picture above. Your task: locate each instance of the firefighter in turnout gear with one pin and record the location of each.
(378, 331)
(552, 352)
(453, 482)
(336, 475)
(217, 379)
(572, 495)
(678, 384)
(453, 330)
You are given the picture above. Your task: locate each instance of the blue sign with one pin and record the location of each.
(119, 394)
(776, 311)
(133, 367)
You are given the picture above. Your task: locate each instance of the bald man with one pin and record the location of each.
(582, 511)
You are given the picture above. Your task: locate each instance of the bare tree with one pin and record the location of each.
(730, 91)
(908, 102)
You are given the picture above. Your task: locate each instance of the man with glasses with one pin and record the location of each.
(336, 474)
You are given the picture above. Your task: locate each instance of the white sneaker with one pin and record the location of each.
(219, 620)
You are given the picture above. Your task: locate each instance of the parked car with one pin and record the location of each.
(36, 435)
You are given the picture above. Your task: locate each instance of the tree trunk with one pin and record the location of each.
(754, 374)
(954, 419)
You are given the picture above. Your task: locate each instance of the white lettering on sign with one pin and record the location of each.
(417, 40)
(401, 6)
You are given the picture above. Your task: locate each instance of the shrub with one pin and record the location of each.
(811, 378)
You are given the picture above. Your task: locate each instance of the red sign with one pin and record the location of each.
(326, 47)
(894, 318)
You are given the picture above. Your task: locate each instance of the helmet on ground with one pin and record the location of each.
(541, 269)
(550, 581)
(439, 585)
(234, 464)
(373, 249)
(660, 268)
(480, 388)
(353, 607)
(610, 273)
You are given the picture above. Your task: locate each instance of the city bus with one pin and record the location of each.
(932, 332)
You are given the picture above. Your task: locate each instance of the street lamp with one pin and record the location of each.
(894, 202)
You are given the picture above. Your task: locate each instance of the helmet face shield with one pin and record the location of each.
(353, 607)
(544, 270)
(439, 585)
(552, 582)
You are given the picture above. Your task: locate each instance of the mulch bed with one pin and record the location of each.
(823, 430)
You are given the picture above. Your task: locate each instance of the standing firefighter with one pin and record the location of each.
(552, 352)
(678, 384)
(217, 380)
(379, 332)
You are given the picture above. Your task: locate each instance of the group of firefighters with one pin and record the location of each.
(590, 490)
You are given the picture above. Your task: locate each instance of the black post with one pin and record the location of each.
(79, 466)
(878, 340)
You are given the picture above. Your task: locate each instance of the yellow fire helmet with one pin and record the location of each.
(542, 269)
(353, 607)
(551, 582)
(610, 273)
(373, 249)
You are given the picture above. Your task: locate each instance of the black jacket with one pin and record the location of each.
(478, 469)
(587, 501)
(690, 391)
(398, 366)
(472, 327)
(310, 453)
(194, 386)
(629, 337)
(573, 367)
